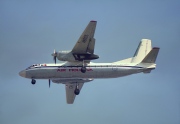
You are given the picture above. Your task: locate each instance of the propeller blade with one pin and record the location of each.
(49, 83)
(55, 59)
(55, 56)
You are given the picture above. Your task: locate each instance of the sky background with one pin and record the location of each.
(31, 30)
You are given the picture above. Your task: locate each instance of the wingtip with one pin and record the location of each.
(93, 21)
(156, 48)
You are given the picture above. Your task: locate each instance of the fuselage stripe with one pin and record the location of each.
(107, 66)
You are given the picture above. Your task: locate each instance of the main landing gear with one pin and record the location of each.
(77, 91)
(83, 68)
(33, 81)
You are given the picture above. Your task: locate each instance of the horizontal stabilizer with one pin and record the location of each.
(151, 56)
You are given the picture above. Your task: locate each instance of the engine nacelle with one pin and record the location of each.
(81, 57)
(65, 56)
(71, 57)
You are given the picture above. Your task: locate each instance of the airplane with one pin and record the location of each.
(78, 68)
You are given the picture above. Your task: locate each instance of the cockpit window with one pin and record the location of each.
(33, 66)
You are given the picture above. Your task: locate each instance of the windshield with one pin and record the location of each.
(33, 66)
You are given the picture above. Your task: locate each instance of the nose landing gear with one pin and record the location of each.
(33, 81)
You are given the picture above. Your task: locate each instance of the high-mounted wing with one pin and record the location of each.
(86, 42)
(70, 87)
(84, 48)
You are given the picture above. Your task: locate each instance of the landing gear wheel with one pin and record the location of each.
(76, 91)
(83, 69)
(33, 81)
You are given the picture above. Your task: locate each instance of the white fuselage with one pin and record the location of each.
(73, 71)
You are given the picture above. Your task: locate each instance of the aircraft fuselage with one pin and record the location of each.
(100, 70)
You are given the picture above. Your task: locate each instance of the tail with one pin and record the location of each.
(149, 61)
(143, 49)
(144, 54)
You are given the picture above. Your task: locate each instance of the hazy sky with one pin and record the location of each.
(31, 30)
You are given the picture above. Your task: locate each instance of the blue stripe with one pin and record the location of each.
(81, 66)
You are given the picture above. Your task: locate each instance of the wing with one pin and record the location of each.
(86, 42)
(70, 87)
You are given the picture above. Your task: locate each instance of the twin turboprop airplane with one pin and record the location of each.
(78, 69)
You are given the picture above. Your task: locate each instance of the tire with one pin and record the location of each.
(33, 81)
(76, 91)
(83, 69)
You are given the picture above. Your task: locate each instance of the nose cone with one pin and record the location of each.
(22, 73)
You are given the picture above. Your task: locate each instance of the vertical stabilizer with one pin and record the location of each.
(143, 49)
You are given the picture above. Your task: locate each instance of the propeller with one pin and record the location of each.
(55, 59)
(55, 56)
(49, 83)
